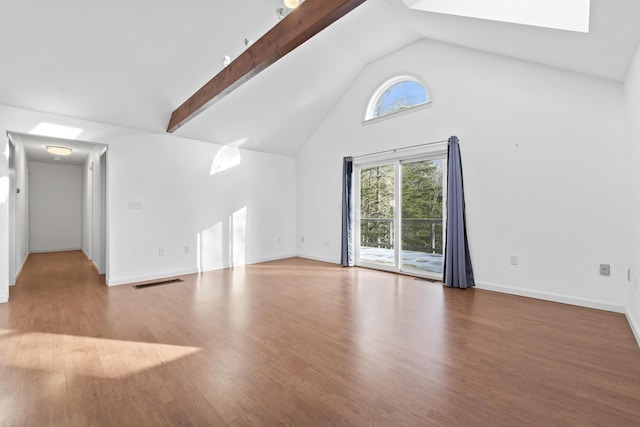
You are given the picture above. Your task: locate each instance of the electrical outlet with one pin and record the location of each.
(513, 260)
(605, 270)
(302, 239)
(186, 249)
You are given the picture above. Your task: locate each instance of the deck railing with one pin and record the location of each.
(418, 234)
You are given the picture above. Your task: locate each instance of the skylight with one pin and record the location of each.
(56, 131)
(572, 15)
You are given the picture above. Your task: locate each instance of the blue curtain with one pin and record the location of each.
(347, 212)
(458, 272)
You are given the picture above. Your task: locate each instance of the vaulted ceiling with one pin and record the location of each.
(132, 62)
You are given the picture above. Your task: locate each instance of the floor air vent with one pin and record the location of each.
(164, 282)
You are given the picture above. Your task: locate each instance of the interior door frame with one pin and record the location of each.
(397, 161)
(12, 211)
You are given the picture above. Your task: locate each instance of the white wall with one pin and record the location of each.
(541, 149)
(55, 201)
(201, 219)
(632, 97)
(180, 200)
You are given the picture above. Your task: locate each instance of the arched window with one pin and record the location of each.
(398, 94)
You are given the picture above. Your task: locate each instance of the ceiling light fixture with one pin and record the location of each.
(58, 150)
(289, 5)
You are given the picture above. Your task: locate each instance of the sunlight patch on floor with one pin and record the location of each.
(86, 356)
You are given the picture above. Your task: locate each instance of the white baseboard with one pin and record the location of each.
(4, 298)
(633, 323)
(273, 258)
(24, 261)
(565, 299)
(95, 266)
(146, 278)
(19, 270)
(43, 251)
(321, 259)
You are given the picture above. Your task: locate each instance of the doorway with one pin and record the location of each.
(58, 201)
(12, 214)
(400, 215)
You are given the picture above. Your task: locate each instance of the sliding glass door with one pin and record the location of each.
(377, 215)
(422, 219)
(400, 216)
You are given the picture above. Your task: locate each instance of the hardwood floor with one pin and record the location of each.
(298, 342)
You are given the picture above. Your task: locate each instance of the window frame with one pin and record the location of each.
(373, 100)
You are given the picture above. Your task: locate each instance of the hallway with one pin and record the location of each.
(50, 273)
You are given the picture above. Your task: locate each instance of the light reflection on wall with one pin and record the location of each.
(226, 158)
(224, 244)
(239, 234)
(210, 248)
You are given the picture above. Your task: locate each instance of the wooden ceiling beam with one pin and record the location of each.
(311, 17)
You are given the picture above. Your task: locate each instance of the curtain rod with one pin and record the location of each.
(395, 150)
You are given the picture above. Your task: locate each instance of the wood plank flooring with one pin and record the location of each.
(298, 342)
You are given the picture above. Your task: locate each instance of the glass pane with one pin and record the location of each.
(422, 224)
(376, 215)
(399, 97)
